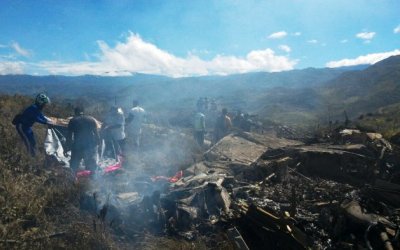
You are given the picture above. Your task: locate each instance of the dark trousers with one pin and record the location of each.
(199, 137)
(88, 154)
(28, 138)
(113, 148)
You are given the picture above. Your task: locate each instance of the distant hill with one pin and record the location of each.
(297, 96)
(70, 86)
(155, 90)
(364, 91)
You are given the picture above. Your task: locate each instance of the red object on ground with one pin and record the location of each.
(113, 168)
(172, 179)
(83, 173)
(107, 170)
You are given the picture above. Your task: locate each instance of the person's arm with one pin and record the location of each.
(40, 118)
(50, 121)
(114, 126)
(69, 137)
(130, 118)
(228, 122)
(203, 123)
(97, 136)
(96, 133)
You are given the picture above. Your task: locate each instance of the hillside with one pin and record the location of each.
(71, 86)
(150, 87)
(244, 181)
(43, 205)
(364, 91)
(41, 201)
(307, 97)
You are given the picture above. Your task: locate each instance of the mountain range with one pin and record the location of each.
(307, 95)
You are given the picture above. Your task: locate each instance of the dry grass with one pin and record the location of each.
(39, 204)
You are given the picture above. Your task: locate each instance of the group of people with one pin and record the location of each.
(244, 122)
(113, 128)
(223, 125)
(205, 103)
(84, 132)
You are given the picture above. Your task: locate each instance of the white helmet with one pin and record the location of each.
(42, 99)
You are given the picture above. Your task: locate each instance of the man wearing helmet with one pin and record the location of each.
(23, 122)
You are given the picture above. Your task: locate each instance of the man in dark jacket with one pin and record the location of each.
(222, 125)
(83, 140)
(23, 122)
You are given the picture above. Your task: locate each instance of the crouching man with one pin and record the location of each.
(83, 140)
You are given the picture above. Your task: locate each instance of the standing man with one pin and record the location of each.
(23, 122)
(222, 126)
(114, 131)
(199, 127)
(83, 140)
(135, 120)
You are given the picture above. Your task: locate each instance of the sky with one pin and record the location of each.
(180, 38)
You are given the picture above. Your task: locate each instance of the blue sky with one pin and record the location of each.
(193, 37)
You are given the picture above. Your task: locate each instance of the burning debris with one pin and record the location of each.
(261, 192)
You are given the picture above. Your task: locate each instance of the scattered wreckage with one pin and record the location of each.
(265, 192)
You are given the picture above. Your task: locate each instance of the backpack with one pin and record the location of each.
(17, 119)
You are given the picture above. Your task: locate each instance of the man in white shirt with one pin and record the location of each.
(135, 119)
(199, 127)
(114, 130)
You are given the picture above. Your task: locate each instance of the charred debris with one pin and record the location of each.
(260, 191)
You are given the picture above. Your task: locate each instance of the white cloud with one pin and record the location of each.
(21, 51)
(396, 30)
(366, 59)
(201, 52)
(313, 41)
(278, 35)
(285, 48)
(8, 57)
(266, 60)
(11, 68)
(296, 34)
(366, 35)
(137, 55)
(344, 41)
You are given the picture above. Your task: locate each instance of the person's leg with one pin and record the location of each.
(109, 150)
(76, 157)
(28, 138)
(121, 146)
(217, 136)
(90, 158)
(136, 139)
(32, 143)
(197, 137)
(201, 138)
(23, 136)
